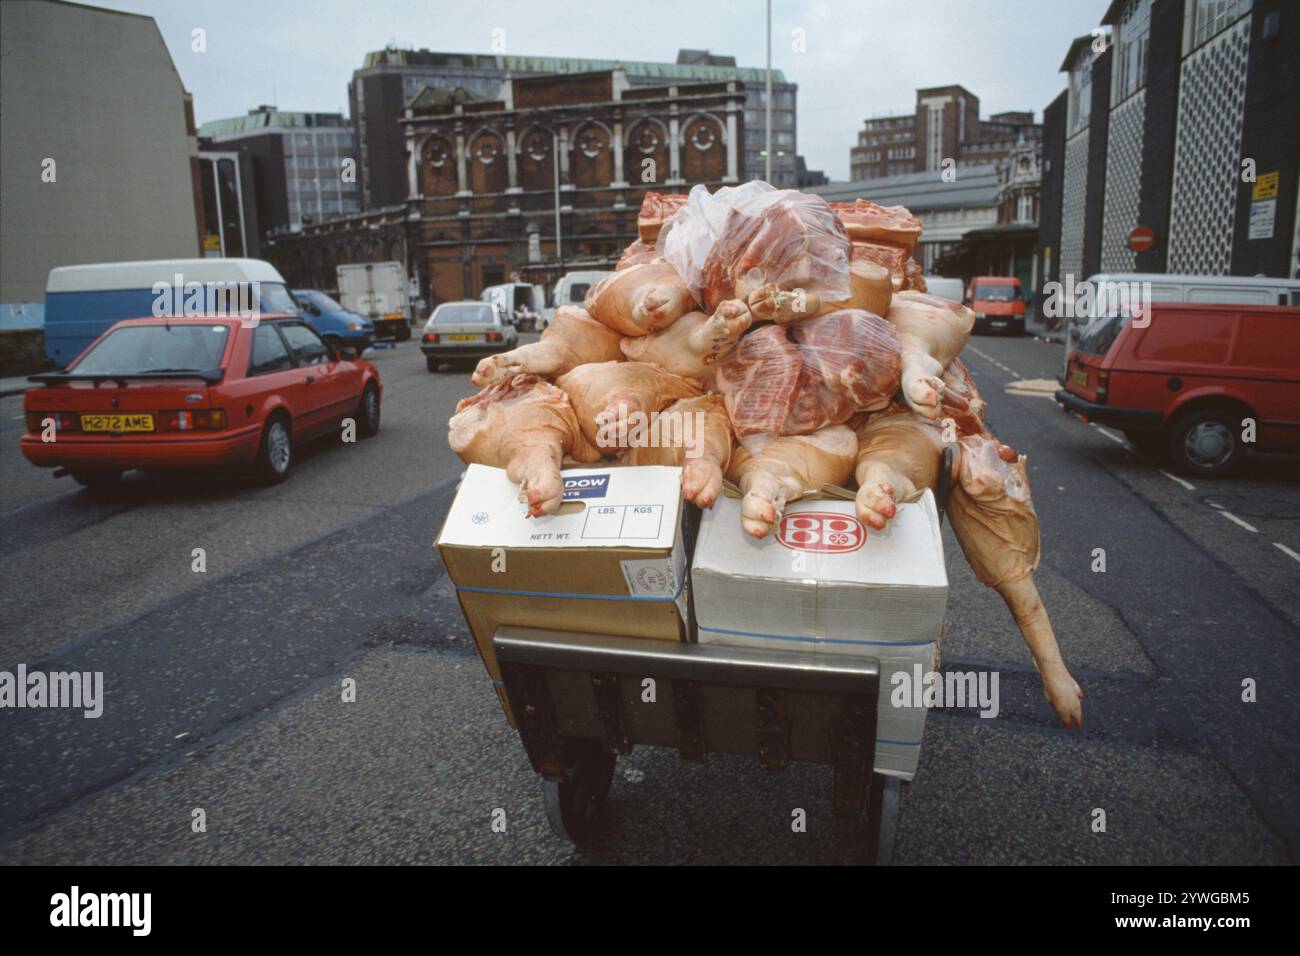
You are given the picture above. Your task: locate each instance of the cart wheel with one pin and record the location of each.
(573, 809)
(882, 819)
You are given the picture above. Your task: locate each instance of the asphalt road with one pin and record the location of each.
(223, 689)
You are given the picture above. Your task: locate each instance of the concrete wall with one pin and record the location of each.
(97, 92)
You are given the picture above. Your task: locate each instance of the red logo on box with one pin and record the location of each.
(821, 531)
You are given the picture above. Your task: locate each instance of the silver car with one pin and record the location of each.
(466, 330)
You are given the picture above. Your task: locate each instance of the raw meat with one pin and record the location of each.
(639, 300)
(899, 456)
(913, 277)
(612, 398)
(656, 209)
(931, 331)
(892, 258)
(526, 426)
(693, 344)
(865, 220)
(854, 358)
(638, 253)
(758, 380)
(729, 243)
(871, 286)
(998, 535)
(694, 434)
(573, 338)
(772, 470)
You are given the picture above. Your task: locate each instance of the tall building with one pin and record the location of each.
(945, 124)
(1181, 120)
(304, 164)
(98, 163)
(390, 79)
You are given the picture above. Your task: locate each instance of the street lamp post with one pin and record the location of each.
(555, 163)
(767, 153)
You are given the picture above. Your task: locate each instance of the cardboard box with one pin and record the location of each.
(826, 584)
(612, 561)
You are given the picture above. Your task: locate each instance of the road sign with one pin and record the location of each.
(1141, 239)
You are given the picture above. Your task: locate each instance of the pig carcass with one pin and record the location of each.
(931, 332)
(871, 285)
(656, 209)
(773, 470)
(612, 398)
(640, 299)
(693, 434)
(573, 338)
(692, 345)
(526, 426)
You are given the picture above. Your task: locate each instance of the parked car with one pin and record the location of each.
(571, 289)
(522, 303)
(336, 325)
(1184, 386)
(997, 303)
(82, 301)
(950, 289)
(466, 330)
(182, 394)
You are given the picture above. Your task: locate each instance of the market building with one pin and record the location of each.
(388, 80)
(1179, 116)
(485, 178)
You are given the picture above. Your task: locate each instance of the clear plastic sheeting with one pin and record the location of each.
(727, 244)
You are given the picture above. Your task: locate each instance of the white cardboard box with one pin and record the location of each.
(612, 561)
(826, 584)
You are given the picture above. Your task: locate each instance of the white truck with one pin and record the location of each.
(378, 290)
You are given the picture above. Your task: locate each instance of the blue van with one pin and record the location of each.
(81, 302)
(333, 322)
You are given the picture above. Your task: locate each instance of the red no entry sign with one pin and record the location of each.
(1141, 239)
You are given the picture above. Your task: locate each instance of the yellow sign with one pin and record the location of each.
(1265, 187)
(211, 243)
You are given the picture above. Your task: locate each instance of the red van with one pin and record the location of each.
(997, 303)
(1184, 385)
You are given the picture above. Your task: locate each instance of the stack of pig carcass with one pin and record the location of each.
(799, 334)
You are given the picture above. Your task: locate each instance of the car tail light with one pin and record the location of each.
(431, 337)
(198, 419)
(63, 421)
(1103, 383)
(493, 337)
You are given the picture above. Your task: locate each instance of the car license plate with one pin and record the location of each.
(999, 324)
(464, 338)
(1079, 377)
(117, 423)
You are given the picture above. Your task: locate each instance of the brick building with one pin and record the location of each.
(482, 180)
(944, 125)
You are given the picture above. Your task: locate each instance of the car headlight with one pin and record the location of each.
(352, 326)
(981, 315)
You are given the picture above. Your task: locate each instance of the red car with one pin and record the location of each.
(193, 394)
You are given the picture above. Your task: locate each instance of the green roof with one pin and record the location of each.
(568, 64)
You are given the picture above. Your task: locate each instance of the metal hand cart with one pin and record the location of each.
(577, 701)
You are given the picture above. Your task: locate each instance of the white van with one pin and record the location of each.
(951, 289)
(1093, 300)
(572, 289)
(522, 302)
(81, 302)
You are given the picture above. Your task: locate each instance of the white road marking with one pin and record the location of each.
(1285, 550)
(1118, 439)
(990, 358)
(1178, 481)
(1235, 520)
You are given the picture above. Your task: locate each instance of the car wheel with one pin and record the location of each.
(431, 363)
(275, 456)
(1206, 442)
(368, 411)
(97, 480)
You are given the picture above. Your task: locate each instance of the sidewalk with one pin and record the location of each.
(1035, 327)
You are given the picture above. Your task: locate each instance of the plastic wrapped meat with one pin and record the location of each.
(656, 209)
(871, 285)
(758, 380)
(864, 220)
(573, 338)
(693, 344)
(729, 243)
(892, 258)
(695, 435)
(611, 398)
(932, 331)
(773, 470)
(854, 357)
(526, 426)
(639, 300)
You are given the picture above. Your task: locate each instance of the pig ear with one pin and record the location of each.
(634, 347)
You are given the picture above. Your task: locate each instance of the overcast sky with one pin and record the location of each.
(862, 58)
